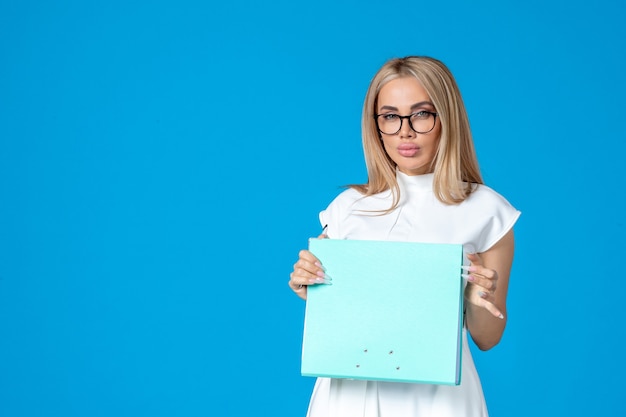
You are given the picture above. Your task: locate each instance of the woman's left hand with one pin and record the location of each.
(481, 286)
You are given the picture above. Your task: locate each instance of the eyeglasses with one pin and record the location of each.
(390, 123)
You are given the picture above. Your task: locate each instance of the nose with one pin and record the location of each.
(405, 129)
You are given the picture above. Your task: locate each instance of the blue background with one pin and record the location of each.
(161, 164)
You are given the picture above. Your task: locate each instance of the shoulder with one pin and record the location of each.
(348, 198)
(348, 202)
(352, 199)
(487, 197)
(492, 212)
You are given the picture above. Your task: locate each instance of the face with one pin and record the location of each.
(412, 152)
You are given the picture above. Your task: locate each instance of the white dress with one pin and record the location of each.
(477, 223)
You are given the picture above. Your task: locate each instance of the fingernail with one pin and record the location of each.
(501, 316)
(320, 274)
(319, 265)
(482, 294)
(468, 277)
(465, 267)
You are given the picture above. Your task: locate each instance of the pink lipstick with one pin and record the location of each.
(408, 149)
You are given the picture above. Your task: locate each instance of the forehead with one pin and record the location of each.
(403, 91)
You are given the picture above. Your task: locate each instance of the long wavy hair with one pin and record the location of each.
(455, 165)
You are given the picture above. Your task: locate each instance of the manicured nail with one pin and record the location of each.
(501, 316)
(319, 265)
(468, 277)
(482, 294)
(319, 281)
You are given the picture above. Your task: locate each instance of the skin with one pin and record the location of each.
(404, 96)
(488, 274)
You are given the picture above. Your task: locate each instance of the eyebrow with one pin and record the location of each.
(413, 107)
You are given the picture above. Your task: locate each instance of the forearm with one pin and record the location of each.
(485, 329)
(486, 314)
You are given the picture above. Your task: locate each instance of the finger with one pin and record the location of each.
(311, 264)
(308, 279)
(489, 306)
(308, 270)
(306, 267)
(295, 286)
(308, 256)
(308, 262)
(300, 290)
(481, 281)
(479, 269)
(301, 276)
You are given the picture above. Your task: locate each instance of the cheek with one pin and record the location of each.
(436, 142)
(435, 138)
(386, 146)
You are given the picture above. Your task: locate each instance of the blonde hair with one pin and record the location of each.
(455, 165)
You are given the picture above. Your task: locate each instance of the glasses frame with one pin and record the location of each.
(432, 113)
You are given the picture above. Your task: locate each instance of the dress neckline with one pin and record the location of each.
(422, 182)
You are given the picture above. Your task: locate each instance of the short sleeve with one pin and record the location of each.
(333, 217)
(330, 219)
(496, 215)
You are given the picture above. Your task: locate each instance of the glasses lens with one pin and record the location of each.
(422, 122)
(389, 124)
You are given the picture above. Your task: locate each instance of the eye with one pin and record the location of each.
(420, 115)
(389, 117)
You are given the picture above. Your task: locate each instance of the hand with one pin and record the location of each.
(481, 286)
(307, 271)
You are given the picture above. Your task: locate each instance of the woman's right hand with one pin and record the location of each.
(308, 270)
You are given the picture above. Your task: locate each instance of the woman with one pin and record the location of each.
(424, 185)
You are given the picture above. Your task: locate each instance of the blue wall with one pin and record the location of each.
(161, 164)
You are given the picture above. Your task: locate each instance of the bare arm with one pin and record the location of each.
(485, 295)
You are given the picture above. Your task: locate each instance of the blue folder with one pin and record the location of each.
(394, 312)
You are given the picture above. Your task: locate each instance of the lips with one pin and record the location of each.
(408, 149)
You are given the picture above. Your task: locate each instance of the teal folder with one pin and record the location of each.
(394, 312)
